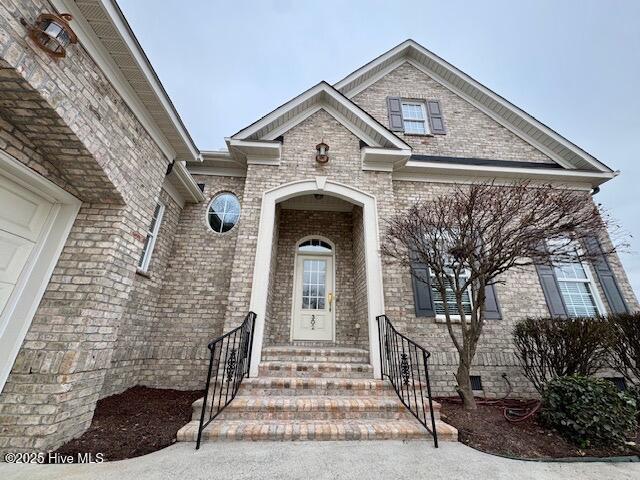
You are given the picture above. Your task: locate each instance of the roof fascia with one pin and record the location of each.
(553, 174)
(322, 88)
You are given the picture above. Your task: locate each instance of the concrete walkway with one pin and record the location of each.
(322, 460)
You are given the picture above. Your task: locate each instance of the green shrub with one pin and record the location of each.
(588, 411)
(634, 392)
(554, 347)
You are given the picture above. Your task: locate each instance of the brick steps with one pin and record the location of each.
(311, 354)
(319, 369)
(314, 393)
(283, 430)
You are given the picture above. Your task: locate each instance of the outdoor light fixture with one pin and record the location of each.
(52, 33)
(322, 156)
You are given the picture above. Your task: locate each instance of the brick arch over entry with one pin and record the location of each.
(47, 143)
(259, 292)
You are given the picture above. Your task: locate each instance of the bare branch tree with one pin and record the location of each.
(471, 236)
(625, 347)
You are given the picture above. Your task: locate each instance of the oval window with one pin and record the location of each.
(224, 212)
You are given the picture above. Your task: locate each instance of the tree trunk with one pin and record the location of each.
(464, 386)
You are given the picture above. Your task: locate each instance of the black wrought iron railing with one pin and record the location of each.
(406, 365)
(229, 362)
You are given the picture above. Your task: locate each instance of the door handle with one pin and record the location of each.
(330, 299)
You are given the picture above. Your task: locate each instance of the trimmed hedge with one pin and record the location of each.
(588, 411)
(554, 347)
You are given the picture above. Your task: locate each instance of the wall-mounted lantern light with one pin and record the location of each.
(322, 155)
(52, 33)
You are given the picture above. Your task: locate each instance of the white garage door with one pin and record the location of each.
(35, 219)
(23, 216)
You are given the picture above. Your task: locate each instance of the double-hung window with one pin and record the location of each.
(152, 235)
(414, 117)
(576, 288)
(439, 302)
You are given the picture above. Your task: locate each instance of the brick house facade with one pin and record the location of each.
(98, 129)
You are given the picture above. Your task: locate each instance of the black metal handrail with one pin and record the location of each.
(405, 364)
(229, 362)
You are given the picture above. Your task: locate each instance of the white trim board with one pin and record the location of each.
(470, 179)
(416, 167)
(23, 303)
(259, 292)
(321, 94)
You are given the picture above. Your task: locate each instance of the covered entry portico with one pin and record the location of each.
(265, 251)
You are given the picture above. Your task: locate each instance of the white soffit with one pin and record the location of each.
(322, 96)
(104, 32)
(501, 110)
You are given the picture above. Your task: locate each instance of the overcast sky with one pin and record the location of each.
(574, 65)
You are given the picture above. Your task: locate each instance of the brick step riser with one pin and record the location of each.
(314, 374)
(236, 412)
(328, 372)
(320, 415)
(314, 436)
(277, 357)
(221, 432)
(239, 414)
(310, 392)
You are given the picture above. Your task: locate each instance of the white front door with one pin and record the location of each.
(313, 306)
(23, 216)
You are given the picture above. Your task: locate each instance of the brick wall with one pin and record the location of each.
(470, 133)
(141, 321)
(519, 296)
(73, 128)
(194, 294)
(360, 307)
(338, 228)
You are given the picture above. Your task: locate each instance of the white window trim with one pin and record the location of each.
(424, 118)
(590, 281)
(206, 218)
(442, 317)
(591, 285)
(152, 235)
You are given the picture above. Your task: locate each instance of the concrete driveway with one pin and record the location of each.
(322, 460)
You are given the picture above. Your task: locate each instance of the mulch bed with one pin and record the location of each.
(487, 430)
(135, 422)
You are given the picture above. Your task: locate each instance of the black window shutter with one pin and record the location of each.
(422, 298)
(436, 120)
(606, 277)
(394, 108)
(491, 308)
(551, 290)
